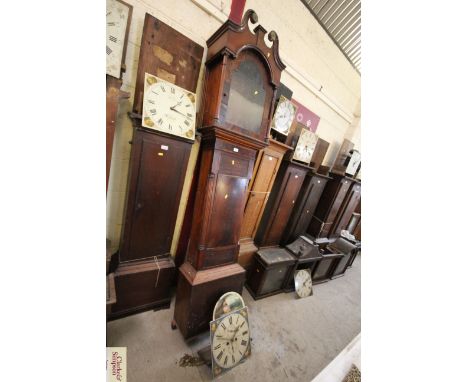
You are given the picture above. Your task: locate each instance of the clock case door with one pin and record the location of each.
(283, 196)
(146, 273)
(329, 205)
(236, 59)
(266, 167)
(304, 208)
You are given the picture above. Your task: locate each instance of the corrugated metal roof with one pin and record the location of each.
(341, 19)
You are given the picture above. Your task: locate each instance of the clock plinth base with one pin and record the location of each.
(246, 251)
(142, 286)
(198, 292)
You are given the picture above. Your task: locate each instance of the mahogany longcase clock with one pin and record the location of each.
(242, 75)
(169, 66)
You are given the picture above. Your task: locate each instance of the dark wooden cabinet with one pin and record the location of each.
(145, 273)
(346, 248)
(347, 209)
(265, 170)
(323, 270)
(304, 207)
(270, 269)
(283, 196)
(329, 205)
(242, 75)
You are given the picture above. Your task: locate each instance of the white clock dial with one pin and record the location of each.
(168, 108)
(231, 339)
(116, 26)
(284, 116)
(305, 146)
(303, 283)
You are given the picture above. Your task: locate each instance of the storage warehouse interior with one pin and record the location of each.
(233, 190)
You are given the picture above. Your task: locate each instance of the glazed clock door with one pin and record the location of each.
(258, 195)
(157, 176)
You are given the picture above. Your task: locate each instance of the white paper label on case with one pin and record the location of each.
(164, 147)
(235, 149)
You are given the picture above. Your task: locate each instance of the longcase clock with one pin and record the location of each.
(169, 65)
(242, 74)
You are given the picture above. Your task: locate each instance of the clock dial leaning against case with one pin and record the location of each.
(284, 116)
(305, 146)
(117, 14)
(230, 340)
(303, 283)
(168, 108)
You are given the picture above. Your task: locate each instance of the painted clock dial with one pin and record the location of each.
(117, 14)
(284, 116)
(230, 340)
(305, 146)
(168, 108)
(303, 283)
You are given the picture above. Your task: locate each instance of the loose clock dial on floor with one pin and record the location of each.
(118, 16)
(168, 108)
(230, 341)
(303, 283)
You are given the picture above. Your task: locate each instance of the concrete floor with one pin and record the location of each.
(292, 339)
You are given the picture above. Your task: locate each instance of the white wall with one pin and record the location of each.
(317, 72)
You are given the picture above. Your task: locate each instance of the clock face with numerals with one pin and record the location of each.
(116, 26)
(230, 340)
(303, 283)
(284, 116)
(168, 108)
(305, 146)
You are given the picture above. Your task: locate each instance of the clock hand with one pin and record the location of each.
(177, 111)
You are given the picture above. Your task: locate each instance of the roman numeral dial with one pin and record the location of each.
(117, 14)
(230, 341)
(165, 108)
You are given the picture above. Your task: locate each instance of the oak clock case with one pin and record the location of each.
(265, 170)
(145, 272)
(242, 74)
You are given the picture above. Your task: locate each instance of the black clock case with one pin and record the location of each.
(270, 268)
